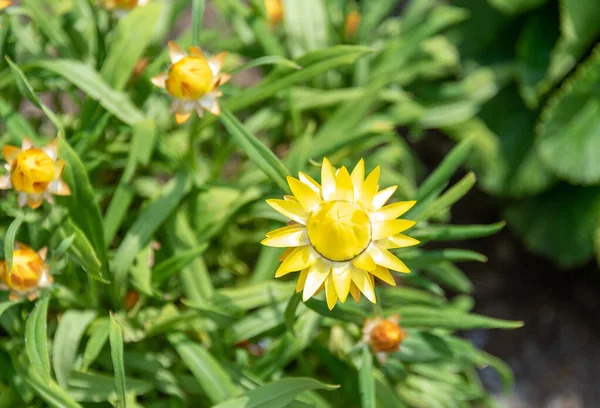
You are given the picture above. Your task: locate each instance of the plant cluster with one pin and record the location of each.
(133, 262)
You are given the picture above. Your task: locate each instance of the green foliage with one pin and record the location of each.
(163, 295)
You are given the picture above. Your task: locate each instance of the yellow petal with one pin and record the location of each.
(181, 118)
(344, 190)
(196, 52)
(10, 153)
(301, 258)
(358, 176)
(330, 293)
(291, 238)
(175, 52)
(34, 201)
(382, 197)
(301, 280)
(285, 254)
(290, 209)
(355, 292)
(327, 180)
(369, 187)
(59, 188)
(385, 258)
(384, 274)
(364, 261)
(392, 211)
(283, 230)
(384, 229)
(315, 278)
(363, 283)
(341, 278)
(304, 194)
(309, 181)
(402, 241)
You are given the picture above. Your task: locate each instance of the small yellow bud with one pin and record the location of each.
(386, 336)
(339, 230)
(351, 24)
(274, 11)
(120, 4)
(190, 78)
(28, 272)
(32, 171)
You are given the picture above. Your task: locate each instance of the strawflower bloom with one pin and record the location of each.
(274, 11)
(35, 174)
(351, 24)
(193, 81)
(4, 4)
(384, 336)
(122, 7)
(29, 273)
(341, 233)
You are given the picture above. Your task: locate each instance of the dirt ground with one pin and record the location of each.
(556, 356)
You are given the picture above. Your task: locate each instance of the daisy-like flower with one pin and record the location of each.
(341, 233)
(384, 336)
(29, 273)
(193, 81)
(122, 7)
(35, 174)
(274, 10)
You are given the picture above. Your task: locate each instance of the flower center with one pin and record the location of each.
(32, 171)
(190, 78)
(339, 230)
(27, 268)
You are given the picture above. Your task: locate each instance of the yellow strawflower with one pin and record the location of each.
(341, 233)
(384, 336)
(29, 273)
(193, 81)
(121, 7)
(351, 24)
(35, 174)
(4, 4)
(274, 11)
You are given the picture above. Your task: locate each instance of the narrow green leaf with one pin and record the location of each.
(124, 53)
(451, 319)
(49, 23)
(146, 224)
(278, 394)
(116, 352)
(96, 343)
(197, 14)
(257, 152)
(36, 338)
(449, 275)
(366, 379)
(65, 346)
(176, 263)
(435, 232)
(252, 296)
(267, 60)
(82, 205)
(343, 312)
(290, 311)
(7, 304)
(9, 240)
(306, 25)
(258, 322)
(446, 200)
(211, 377)
(90, 82)
(98, 388)
(78, 246)
(27, 91)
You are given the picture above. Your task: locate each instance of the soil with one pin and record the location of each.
(556, 355)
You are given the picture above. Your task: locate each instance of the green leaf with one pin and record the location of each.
(516, 6)
(435, 232)
(5, 305)
(91, 387)
(558, 224)
(36, 338)
(82, 250)
(174, 264)
(82, 206)
(96, 342)
(27, 91)
(260, 155)
(278, 394)
(211, 377)
(116, 353)
(91, 83)
(9, 240)
(445, 201)
(251, 296)
(569, 131)
(366, 379)
(49, 24)
(146, 224)
(290, 311)
(306, 25)
(449, 275)
(267, 60)
(343, 312)
(65, 346)
(258, 322)
(451, 319)
(197, 14)
(124, 53)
